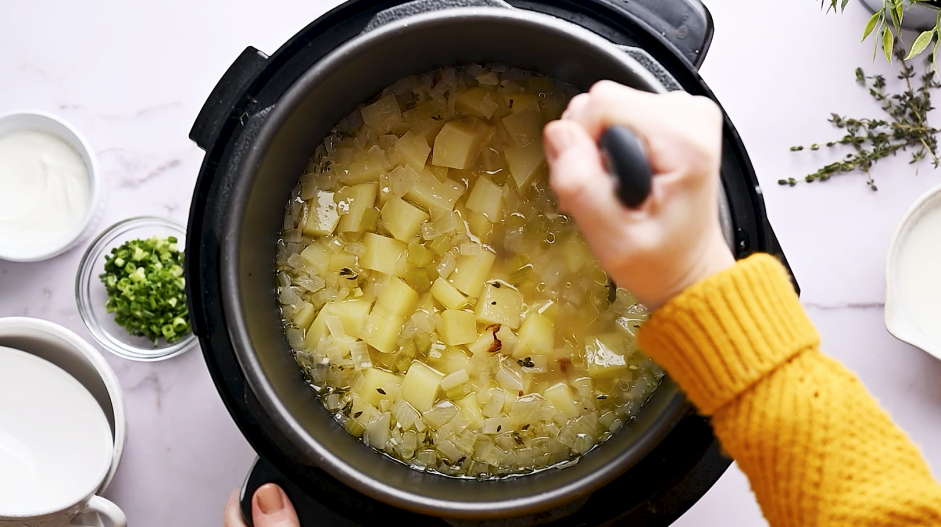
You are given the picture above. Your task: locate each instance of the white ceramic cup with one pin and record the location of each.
(54, 125)
(899, 320)
(84, 364)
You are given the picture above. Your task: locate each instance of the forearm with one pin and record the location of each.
(814, 444)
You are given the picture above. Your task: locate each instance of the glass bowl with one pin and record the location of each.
(90, 293)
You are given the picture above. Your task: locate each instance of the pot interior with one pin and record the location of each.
(268, 167)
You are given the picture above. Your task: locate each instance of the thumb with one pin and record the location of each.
(272, 508)
(578, 177)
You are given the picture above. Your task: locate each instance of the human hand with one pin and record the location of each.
(270, 508)
(673, 239)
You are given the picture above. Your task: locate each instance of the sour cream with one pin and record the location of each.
(919, 274)
(44, 188)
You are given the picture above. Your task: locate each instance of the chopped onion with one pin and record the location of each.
(334, 325)
(446, 266)
(289, 295)
(440, 414)
(454, 379)
(310, 283)
(295, 337)
(358, 352)
(378, 430)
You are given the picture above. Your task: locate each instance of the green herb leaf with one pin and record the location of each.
(871, 25)
(146, 289)
(906, 127)
(887, 41)
(920, 43)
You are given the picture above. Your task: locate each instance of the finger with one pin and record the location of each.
(609, 103)
(233, 513)
(272, 508)
(663, 120)
(578, 178)
(576, 105)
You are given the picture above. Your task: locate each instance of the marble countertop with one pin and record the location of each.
(133, 76)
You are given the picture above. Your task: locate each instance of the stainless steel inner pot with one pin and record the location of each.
(268, 160)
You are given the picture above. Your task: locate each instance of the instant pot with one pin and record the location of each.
(258, 128)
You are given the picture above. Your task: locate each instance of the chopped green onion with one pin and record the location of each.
(146, 289)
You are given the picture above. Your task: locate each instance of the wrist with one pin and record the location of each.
(713, 258)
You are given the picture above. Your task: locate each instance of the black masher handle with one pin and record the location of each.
(626, 160)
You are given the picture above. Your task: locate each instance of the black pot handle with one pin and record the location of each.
(626, 160)
(226, 100)
(686, 25)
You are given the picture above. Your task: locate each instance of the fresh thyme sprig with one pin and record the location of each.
(875, 139)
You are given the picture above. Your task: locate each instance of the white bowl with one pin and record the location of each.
(51, 124)
(898, 320)
(78, 358)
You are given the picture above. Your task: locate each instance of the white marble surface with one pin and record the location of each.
(132, 77)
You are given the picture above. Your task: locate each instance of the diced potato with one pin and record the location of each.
(402, 219)
(356, 200)
(374, 380)
(413, 149)
(550, 310)
(561, 397)
(478, 101)
(317, 329)
(535, 337)
(387, 141)
(343, 155)
(457, 327)
(322, 215)
(340, 261)
(604, 355)
(445, 293)
(366, 167)
(524, 128)
(499, 304)
(576, 253)
(382, 253)
(317, 257)
(426, 120)
(440, 173)
(455, 359)
(486, 199)
(418, 254)
(520, 102)
(383, 115)
(420, 386)
(370, 220)
(479, 225)
(396, 299)
(352, 314)
(304, 316)
(471, 271)
(457, 145)
(488, 79)
(429, 192)
(382, 330)
(524, 163)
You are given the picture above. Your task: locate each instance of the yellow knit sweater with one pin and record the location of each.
(816, 447)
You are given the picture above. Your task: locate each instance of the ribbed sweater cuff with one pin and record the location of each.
(724, 334)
